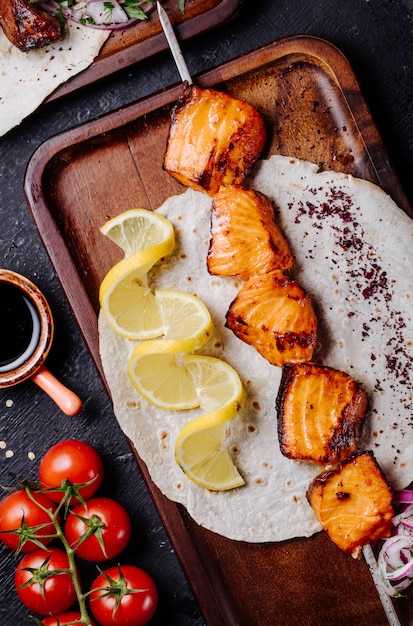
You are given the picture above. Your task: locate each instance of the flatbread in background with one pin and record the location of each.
(27, 78)
(352, 246)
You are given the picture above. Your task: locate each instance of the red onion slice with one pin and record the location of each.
(395, 562)
(404, 496)
(98, 14)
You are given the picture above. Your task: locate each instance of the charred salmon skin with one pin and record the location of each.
(320, 413)
(273, 314)
(245, 239)
(214, 139)
(27, 26)
(353, 503)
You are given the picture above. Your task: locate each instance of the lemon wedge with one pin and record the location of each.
(199, 448)
(155, 367)
(127, 302)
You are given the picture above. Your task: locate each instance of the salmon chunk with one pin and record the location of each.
(320, 413)
(245, 239)
(27, 26)
(214, 139)
(273, 313)
(353, 503)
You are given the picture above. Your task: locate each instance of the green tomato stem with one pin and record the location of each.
(54, 517)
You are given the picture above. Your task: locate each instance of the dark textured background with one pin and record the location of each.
(377, 38)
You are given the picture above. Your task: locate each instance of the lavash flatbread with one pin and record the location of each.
(352, 246)
(27, 78)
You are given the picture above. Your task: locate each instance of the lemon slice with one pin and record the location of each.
(127, 302)
(185, 318)
(205, 462)
(160, 378)
(161, 369)
(199, 448)
(155, 367)
(219, 385)
(137, 229)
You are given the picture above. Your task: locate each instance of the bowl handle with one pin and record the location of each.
(65, 399)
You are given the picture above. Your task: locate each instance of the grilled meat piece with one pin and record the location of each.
(353, 503)
(27, 26)
(273, 313)
(245, 240)
(214, 139)
(320, 413)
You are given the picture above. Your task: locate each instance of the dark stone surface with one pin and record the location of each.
(377, 38)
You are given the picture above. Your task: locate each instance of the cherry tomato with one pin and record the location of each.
(134, 609)
(19, 513)
(112, 527)
(75, 461)
(63, 618)
(53, 594)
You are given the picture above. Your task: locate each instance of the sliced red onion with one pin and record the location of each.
(97, 14)
(404, 496)
(395, 562)
(404, 521)
(100, 14)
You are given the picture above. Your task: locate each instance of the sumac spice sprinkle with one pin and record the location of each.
(336, 217)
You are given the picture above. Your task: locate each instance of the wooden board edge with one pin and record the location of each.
(102, 66)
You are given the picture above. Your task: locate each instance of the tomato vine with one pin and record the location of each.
(94, 529)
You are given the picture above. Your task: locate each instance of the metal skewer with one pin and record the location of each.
(174, 45)
(384, 598)
(186, 77)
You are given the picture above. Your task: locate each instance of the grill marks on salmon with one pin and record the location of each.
(320, 413)
(274, 314)
(27, 26)
(353, 503)
(214, 139)
(245, 239)
(271, 312)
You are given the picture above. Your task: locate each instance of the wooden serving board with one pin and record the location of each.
(313, 108)
(142, 41)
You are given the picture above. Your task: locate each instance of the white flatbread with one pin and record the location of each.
(27, 78)
(352, 246)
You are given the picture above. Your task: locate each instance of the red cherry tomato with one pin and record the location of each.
(134, 609)
(56, 593)
(19, 513)
(63, 618)
(112, 526)
(74, 460)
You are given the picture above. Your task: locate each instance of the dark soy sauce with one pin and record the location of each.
(19, 327)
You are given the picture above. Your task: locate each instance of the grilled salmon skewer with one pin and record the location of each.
(214, 139)
(353, 503)
(274, 314)
(245, 239)
(320, 412)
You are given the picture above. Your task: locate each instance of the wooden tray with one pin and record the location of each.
(138, 43)
(313, 108)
